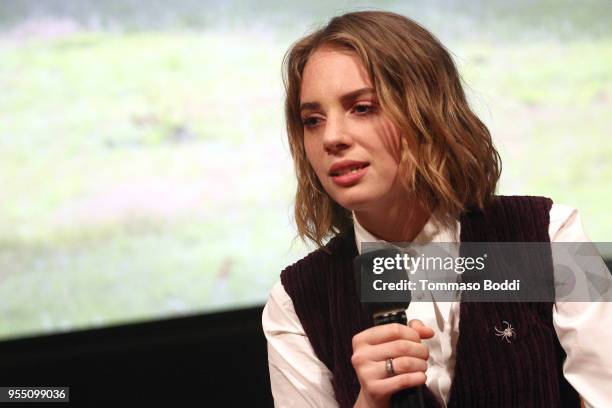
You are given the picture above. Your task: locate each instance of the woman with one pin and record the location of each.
(386, 148)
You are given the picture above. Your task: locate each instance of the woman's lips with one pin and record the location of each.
(350, 178)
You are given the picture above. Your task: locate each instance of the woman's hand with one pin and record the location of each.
(372, 348)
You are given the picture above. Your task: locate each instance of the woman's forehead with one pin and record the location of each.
(331, 72)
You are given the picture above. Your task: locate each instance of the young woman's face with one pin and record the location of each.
(352, 146)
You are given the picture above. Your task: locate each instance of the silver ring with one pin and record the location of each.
(389, 367)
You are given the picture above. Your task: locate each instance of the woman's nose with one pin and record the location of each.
(335, 137)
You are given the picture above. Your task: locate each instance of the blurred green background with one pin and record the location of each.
(144, 171)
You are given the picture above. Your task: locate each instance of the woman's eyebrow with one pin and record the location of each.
(351, 96)
(344, 99)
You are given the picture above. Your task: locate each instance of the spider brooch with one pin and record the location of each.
(506, 333)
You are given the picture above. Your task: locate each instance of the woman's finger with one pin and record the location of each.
(424, 331)
(386, 333)
(392, 349)
(401, 365)
(396, 383)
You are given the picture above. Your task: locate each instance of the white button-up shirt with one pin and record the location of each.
(584, 329)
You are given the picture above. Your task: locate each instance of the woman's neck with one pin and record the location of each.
(399, 223)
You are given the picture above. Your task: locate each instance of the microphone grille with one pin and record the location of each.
(364, 264)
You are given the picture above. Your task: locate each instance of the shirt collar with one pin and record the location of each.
(433, 231)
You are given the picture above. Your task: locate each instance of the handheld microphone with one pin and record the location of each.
(386, 313)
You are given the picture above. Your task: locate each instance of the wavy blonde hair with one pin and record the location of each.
(448, 159)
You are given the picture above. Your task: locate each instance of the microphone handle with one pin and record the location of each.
(408, 397)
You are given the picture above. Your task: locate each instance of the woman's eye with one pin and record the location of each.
(363, 109)
(310, 122)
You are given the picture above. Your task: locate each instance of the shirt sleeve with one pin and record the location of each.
(586, 341)
(298, 378)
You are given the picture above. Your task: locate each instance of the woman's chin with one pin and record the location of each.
(356, 202)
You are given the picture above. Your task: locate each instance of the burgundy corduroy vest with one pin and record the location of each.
(489, 372)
